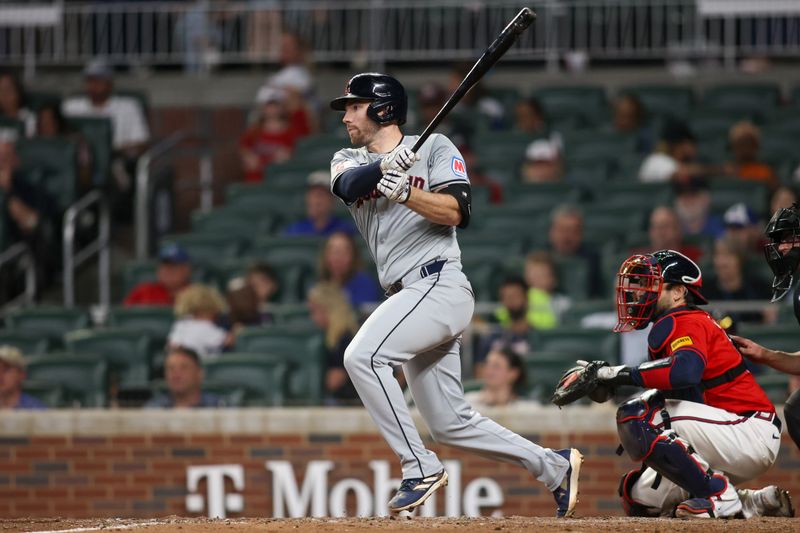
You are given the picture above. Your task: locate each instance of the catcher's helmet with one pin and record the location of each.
(641, 279)
(384, 93)
(783, 250)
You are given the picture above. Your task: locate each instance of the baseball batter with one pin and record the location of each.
(407, 206)
(705, 424)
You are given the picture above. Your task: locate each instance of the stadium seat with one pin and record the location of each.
(714, 124)
(35, 100)
(540, 196)
(727, 192)
(776, 337)
(231, 394)
(319, 149)
(296, 170)
(484, 276)
(501, 144)
(135, 272)
(53, 165)
(98, 134)
(578, 310)
(83, 378)
(633, 193)
(775, 384)
(584, 101)
(285, 207)
(14, 126)
(207, 248)
(581, 343)
(51, 395)
(28, 342)
(153, 321)
(300, 347)
(593, 144)
(755, 98)
(543, 370)
(126, 351)
(262, 378)
(602, 224)
(573, 277)
(50, 323)
(230, 221)
(663, 100)
(483, 245)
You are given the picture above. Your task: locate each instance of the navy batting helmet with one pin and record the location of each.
(387, 97)
(783, 250)
(641, 279)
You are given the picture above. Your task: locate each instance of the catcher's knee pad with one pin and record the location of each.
(631, 507)
(635, 423)
(791, 412)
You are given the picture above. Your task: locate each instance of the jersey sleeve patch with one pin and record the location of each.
(682, 341)
(458, 167)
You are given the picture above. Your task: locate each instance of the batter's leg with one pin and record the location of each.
(435, 382)
(412, 321)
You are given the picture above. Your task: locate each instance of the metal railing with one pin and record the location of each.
(20, 253)
(100, 246)
(203, 34)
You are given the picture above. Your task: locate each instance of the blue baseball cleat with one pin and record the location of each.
(414, 491)
(566, 495)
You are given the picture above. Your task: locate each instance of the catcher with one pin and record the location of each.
(704, 425)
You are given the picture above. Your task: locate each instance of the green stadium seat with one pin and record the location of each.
(53, 165)
(51, 323)
(598, 144)
(319, 149)
(539, 196)
(583, 101)
(28, 342)
(153, 321)
(714, 124)
(775, 384)
(286, 207)
(35, 100)
(300, 347)
(727, 192)
(573, 277)
(633, 193)
(591, 172)
(262, 378)
(581, 343)
(126, 351)
(16, 127)
(207, 248)
(483, 245)
(231, 394)
(602, 224)
(484, 276)
(775, 337)
(135, 272)
(98, 134)
(51, 395)
(663, 100)
(578, 310)
(295, 170)
(755, 98)
(295, 316)
(83, 378)
(543, 371)
(501, 145)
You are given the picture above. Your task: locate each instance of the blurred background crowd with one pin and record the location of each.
(249, 295)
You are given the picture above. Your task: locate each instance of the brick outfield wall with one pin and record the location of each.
(146, 475)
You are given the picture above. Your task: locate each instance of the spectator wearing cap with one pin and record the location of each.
(543, 162)
(744, 140)
(675, 157)
(198, 308)
(13, 104)
(129, 125)
(271, 139)
(731, 281)
(174, 274)
(340, 264)
(743, 226)
(183, 373)
(692, 203)
(12, 375)
(320, 219)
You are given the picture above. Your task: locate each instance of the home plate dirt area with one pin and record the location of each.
(333, 525)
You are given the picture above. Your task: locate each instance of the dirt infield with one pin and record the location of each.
(334, 525)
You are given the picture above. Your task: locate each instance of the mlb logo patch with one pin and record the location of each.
(458, 167)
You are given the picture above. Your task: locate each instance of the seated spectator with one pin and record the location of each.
(675, 158)
(503, 381)
(665, 233)
(331, 312)
(340, 264)
(174, 274)
(731, 282)
(511, 326)
(243, 306)
(743, 226)
(29, 215)
(271, 139)
(264, 281)
(744, 139)
(296, 80)
(543, 162)
(529, 117)
(545, 305)
(183, 373)
(198, 307)
(565, 239)
(12, 374)
(320, 220)
(783, 196)
(693, 205)
(477, 101)
(130, 132)
(629, 118)
(50, 124)
(13, 104)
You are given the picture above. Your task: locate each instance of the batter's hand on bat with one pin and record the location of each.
(401, 158)
(394, 185)
(752, 350)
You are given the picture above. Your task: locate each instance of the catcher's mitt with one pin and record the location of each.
(580, 381)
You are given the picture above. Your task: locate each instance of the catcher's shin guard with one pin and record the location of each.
(663, 450)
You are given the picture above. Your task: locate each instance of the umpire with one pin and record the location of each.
(783, 256)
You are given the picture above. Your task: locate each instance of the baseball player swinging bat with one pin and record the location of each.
(493, 53)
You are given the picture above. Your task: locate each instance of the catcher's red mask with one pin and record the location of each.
(639, 284)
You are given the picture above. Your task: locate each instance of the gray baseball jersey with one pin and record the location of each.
(398, 238)
(420, 327)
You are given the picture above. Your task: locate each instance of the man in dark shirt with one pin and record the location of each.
(320, 219)
(12, 374)
(184, 375)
